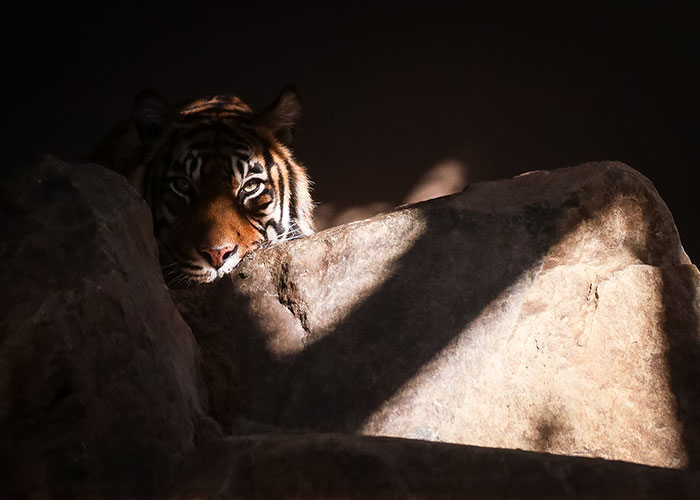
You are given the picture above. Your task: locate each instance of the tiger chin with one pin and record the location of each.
(220, 179)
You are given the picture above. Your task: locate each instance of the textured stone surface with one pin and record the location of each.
(97, 369)
(463, 319)
(555, 311)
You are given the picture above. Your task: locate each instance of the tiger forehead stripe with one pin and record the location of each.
(193, 158)
(255, 167)
(217, 134)
(231, 104)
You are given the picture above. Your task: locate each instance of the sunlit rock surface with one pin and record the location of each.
(556, 311)
(551, 312)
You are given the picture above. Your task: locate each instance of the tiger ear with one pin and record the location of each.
(282, 115)
(151, 115)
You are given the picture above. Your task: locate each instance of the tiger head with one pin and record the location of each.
(220, 180)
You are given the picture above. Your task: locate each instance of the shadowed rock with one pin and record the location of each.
(555, 311)
(322, 466)
(97, 369)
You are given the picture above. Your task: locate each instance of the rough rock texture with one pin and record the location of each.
(442, 320)
(555, 311)
(98, 386)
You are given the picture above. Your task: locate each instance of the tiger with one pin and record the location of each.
(221, 180)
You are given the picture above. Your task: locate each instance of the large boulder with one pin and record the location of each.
(98, 372)
(418, 323)
(556, 311)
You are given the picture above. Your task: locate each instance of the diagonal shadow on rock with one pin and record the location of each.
(344, 377)
(335, 383)
(464, 267)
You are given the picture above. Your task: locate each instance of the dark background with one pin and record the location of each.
(388, 92)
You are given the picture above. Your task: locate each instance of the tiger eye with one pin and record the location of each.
(181, 185)
(251, 186)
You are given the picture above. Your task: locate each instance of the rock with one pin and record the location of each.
(322, 466)
(98, 377)
(442, 321)
(556, 311)
(446, 177)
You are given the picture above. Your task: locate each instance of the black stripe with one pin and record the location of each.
(267, 156)
(292, 191)
(255, 168)
(278, 227)
(282, 189)
(228, 130)
(279, 186)
(217, 143)
(258, 227)
(209, 127)
(240, 164)
(261, 208)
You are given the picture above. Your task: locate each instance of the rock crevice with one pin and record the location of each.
(288, 293)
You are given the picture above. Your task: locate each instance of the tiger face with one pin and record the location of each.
(220, 180)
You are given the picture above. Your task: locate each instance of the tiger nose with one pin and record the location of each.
(217, 256)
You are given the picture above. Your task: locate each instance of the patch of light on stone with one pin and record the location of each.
(357, 279)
